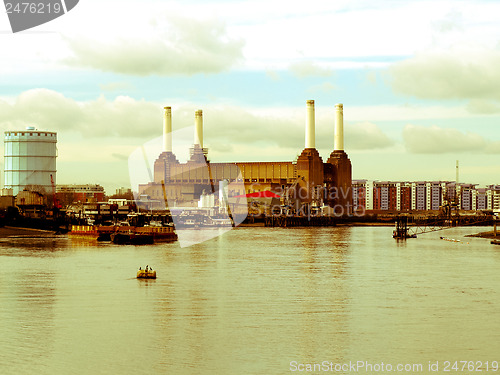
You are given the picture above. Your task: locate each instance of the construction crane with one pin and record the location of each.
(289, 199)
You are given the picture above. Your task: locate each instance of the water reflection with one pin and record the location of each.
(322, 300)
(250, 302)
(27, 315)
(32, 246)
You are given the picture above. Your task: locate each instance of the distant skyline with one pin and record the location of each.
(418, 79)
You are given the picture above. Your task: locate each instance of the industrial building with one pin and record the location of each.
(30, 160)
(86, 193)
(308, 180)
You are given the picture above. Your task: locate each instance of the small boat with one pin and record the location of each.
(449, 239)
(495, 242)
(146, 274)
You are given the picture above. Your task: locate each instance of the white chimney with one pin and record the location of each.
(167, 129)
(310, 132)
(339, 127)
(198, 128)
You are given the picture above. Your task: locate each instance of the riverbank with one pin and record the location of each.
(490, 234)
(350, 224)
(8, 231)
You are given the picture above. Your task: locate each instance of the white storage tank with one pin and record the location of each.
(29, 159)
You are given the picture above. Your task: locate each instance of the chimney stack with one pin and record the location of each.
(198, 128)
(310, 131)
(167, 129)
(339, 127)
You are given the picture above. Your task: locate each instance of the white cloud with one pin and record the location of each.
(452, 74)
(452, 21)
(47, 109)
(186, 47)
(437, 140)
(366, 136)
(116, 86)
(227, 126)
(302, 69)
(483, 106)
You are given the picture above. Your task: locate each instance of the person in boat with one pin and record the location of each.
(139, 268)
(147, 268)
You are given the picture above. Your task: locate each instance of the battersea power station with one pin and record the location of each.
(307, 182)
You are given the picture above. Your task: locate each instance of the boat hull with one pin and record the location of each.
(132, 239)
(143, 274)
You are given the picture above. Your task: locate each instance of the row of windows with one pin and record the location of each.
(31, 134)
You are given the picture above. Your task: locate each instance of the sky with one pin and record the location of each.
(419, 81)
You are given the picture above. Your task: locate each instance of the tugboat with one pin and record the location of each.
(146, 273)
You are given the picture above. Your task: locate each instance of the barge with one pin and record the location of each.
(109, 233)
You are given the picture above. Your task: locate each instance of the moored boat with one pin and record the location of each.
(159, 233)
(147, 234)
(99, 232)
(131, 238)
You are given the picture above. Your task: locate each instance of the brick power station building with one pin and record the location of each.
(312, 180)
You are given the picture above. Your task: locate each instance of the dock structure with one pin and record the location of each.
(401, 231)
(300, 221)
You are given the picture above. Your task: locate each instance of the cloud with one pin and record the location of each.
(436, 140)
(229, 129)
(47, 109)
(366, 136)
(284, 128)
(452, 74)
(273, 75)
(325, 87)
(116, 86)
(303, 69)
(188, 47)
(492, 147)
(485, 106)
(450, 22)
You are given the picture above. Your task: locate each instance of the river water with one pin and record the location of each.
(252, 301)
